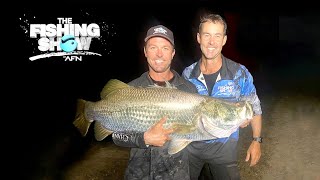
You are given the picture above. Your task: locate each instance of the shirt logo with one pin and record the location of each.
(228, 88)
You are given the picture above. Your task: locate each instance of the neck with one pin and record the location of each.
(164, 76)
(210, 66)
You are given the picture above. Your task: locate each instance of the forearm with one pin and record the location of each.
(129, 139)
(256, 124)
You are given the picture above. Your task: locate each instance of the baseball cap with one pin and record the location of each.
(160, 31)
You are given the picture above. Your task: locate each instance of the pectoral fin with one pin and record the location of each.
(177, 145)
(183, 129)
(100, 132)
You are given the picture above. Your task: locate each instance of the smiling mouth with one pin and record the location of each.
(158, 61)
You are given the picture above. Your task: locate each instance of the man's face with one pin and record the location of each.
(159, 53)
(211, 39)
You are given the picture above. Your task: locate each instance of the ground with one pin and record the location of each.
(290, 151)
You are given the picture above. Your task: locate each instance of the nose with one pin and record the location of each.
(211, 40)
(159, 53)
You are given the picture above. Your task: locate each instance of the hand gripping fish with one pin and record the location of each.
(194, 117)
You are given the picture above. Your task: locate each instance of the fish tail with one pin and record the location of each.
(81, 122)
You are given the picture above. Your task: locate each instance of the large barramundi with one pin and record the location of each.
(194, 117)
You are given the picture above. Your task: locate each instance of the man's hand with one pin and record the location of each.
(245, 123)
(254, 153)
(157, 135)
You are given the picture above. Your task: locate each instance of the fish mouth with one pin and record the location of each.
(203, 128)
(215, 128)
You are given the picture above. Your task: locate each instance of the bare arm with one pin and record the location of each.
(254, 151)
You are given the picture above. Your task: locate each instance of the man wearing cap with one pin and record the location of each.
(149, 158)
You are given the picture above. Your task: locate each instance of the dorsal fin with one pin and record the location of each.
(112, 85)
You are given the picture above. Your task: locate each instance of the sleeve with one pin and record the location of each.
(249, 93)
(129, 139)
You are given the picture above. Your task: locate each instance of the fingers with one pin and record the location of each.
(254, 161)
(245, 123)
(247, 157)
(161, 122)
(169, 130)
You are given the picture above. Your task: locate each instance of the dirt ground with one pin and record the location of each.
(290, 151)
(291, 148)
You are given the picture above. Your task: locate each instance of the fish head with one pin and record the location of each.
(221, 118)
(221, 110)
(243, 110)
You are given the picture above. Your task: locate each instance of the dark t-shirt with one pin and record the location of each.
(210, 80)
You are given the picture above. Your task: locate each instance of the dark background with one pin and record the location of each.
(280, 49)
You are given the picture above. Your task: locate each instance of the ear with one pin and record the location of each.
(173, 53)
(198, 38)
(224, 40)
(144, 51)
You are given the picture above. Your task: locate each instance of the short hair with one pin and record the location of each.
(214, 18)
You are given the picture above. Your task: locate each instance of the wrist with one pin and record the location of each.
(257, 139)
(145, 138)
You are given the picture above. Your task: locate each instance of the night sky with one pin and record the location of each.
(281, 50)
